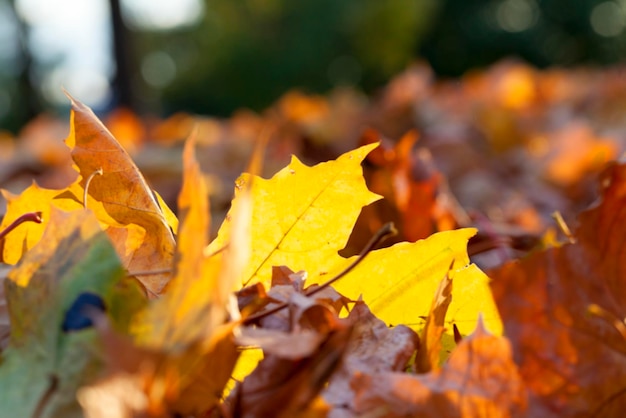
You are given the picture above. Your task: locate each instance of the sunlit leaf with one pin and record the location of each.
(136, 219)
(302, 216)
(123, 192)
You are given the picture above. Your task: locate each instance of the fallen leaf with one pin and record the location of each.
(428, 357)
(186, 326)
(123, 192)
(479, 380)
(73, 256)
(136, 219)
(287, 387)
(302, 216)
(562, 308)
(400, 292)
(373, 348)
(32, 199)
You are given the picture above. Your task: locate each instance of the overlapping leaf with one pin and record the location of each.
(479, 380)
(398, 283)
(303, 216)
(189, 353)
(44, 366)
(123, 192)
(374, 349)
(563, 310)
(137, 221)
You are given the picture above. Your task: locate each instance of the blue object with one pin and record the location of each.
(77, 316)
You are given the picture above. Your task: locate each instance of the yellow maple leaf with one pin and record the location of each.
(398, 283)
(302, 216)
(32, 199)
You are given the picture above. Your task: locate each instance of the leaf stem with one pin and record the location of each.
(149, 272)
(386, 231)
(53, 385)
(558, 218)
(98, 172)
(27, 217)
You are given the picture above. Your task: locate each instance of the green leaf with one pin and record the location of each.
(43, 366)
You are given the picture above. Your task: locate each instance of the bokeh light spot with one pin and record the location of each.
(607, 19)
(158, 69)
(516, 15)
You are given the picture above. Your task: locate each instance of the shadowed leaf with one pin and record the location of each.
(572, 356)
(73, 257)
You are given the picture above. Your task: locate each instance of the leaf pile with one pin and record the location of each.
(109, 312)
(115, 307)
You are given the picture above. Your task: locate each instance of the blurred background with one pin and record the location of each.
(215, 56)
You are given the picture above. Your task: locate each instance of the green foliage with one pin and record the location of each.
(476, 33)
(247, 53)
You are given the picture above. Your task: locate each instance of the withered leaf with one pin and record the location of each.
(283, 387)
(136, 219)
(374, 348)
(479, 380)
(429, 354)
(123, 192)
(562, 310)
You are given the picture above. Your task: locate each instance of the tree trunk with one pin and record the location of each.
(122, 52)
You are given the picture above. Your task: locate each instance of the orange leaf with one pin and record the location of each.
(186, 326)
(479, 380)
(123, 192)
(563, 310)
(429, 354)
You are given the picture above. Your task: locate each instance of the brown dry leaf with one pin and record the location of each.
(563, 310)
(287, 387)
(311, 312)
(479, 380)
(374, 348)
(287, 345)
(428, 357)
(123, 192)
